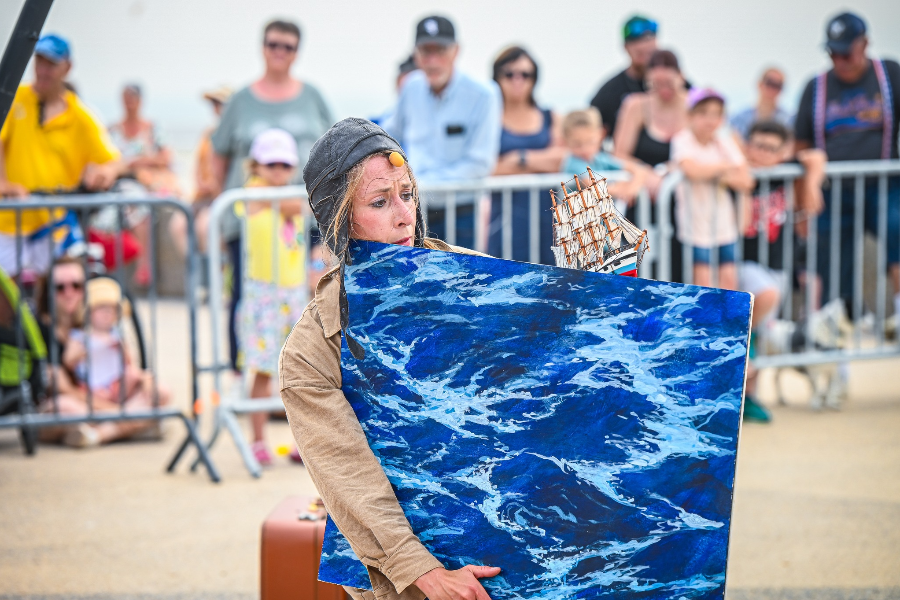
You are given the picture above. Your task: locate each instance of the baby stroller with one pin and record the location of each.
(23, 357)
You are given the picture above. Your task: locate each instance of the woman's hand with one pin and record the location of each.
(441, 584)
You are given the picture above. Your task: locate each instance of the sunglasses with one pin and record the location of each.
(61, 286)
(526, 75)
(638, 29)
(773, 84)
(765, 147)
(839, 55)
(278, 165)
(289, 48)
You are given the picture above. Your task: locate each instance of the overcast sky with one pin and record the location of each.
(350, 50)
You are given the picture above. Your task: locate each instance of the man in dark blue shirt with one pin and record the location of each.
(851, 112)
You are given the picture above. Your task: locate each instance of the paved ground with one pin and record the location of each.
(816, 513)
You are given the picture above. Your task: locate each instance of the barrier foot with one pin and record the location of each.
(203, 455)
(234, 428)
(217, 427)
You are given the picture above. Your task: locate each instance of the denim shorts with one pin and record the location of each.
(703, 256)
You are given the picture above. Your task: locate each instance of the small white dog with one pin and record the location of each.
(829, 329)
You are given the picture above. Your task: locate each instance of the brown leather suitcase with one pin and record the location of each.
(291, 549)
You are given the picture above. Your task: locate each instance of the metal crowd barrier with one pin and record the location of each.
(229, 403)
(854, 190)
(476, 196)
(30, 414)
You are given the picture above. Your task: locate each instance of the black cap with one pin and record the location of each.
(332, 156)
(842, 31)
(435, 30)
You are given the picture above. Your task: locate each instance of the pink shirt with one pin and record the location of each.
(704, 210)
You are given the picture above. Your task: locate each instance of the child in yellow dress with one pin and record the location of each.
(275, 293)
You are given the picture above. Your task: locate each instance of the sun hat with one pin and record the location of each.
(101, 291)
(220, 94)
(274, 146)
(697, 95)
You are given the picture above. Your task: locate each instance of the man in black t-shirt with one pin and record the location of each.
(640, 44)
(851, 112)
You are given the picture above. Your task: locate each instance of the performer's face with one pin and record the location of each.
(384, 208)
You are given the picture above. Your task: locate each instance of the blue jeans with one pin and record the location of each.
(703, 256)
(844, 221)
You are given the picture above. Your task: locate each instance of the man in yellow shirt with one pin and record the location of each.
(50, 142)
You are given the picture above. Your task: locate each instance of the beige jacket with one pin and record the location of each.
(356, 492)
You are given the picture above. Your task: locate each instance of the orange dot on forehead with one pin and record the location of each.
(396, 159)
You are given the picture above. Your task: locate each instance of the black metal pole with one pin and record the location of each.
(19, 49)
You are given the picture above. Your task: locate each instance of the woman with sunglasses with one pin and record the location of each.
(770, 85)
(277, 99)
(67, 289)
(530, 142)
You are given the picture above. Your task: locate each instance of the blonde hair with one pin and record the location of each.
(589, 117)
(344, 211)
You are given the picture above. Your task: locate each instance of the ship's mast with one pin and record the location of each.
(560, 221)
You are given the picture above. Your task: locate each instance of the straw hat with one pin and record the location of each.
(106, 290)
(221, 94)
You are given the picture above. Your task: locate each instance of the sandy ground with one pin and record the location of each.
(816, 512)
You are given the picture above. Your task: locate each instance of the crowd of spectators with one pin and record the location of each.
(647, 120)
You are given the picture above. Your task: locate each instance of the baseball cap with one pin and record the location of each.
(842, 30)
(435, 30)
(274, 146)
(637, 27)
(53, 47)
(697, 95)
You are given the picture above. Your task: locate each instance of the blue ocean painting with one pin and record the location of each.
(578, 430)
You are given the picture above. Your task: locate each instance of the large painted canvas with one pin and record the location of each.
(578, 430)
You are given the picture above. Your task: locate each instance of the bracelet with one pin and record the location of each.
(523, 162)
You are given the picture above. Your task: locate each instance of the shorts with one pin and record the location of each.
(267, 312)
(703, 256)
(37, 255)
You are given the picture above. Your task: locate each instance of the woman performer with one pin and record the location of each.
(359, 187)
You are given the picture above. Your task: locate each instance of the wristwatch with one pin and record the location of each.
(523, 162)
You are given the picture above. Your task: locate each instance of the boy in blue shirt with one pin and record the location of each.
(583, 132)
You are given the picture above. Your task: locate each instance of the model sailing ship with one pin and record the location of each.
(590, 234)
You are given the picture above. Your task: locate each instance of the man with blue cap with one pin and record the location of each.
(852, 113)
(50, 141)
(639, 34)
